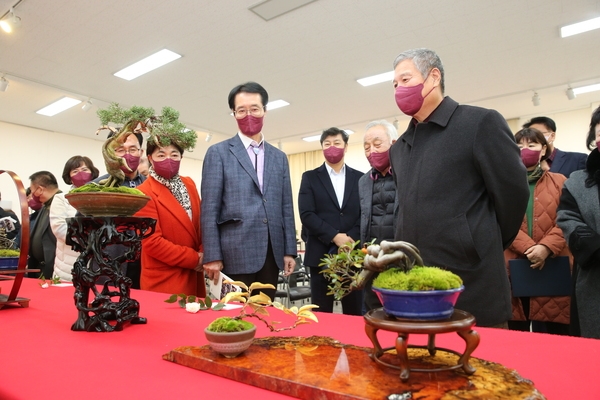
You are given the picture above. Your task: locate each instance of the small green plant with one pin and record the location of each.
(55, 280)
(344, 269)
(417, 279)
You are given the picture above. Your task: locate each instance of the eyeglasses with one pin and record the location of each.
(122, 150)
(242, 112)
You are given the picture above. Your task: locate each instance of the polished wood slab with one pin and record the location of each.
(322, 368)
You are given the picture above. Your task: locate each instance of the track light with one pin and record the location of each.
(570, 93)
(3, 84)
(535, 99)
(87, 105)
(208, 137)
(11, 22)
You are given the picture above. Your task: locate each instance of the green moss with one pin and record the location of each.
(9, 253)
(94, 187)
(417, 279)
(228, 324)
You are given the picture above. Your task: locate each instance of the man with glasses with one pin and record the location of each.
(247, 216)
(132, 152)
(42, 242)
(562, 162)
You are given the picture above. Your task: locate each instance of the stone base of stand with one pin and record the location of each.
(322, 368)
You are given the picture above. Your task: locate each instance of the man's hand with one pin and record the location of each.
(199, 267)
(537, 254)
(288, 265)
(212, 270)
(341, 239)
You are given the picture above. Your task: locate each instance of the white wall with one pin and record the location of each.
(27, 150)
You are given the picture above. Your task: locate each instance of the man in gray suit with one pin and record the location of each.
(377, 193)
(247, 219)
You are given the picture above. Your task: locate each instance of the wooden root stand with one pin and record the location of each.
(460, 322)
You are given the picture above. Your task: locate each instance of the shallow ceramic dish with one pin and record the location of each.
(102, 204)
(428, 305)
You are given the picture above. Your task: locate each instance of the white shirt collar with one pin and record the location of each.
(246, 141)
(332, 171)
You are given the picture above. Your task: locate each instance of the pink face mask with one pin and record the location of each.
(333, 154)
(166, 168)
(34, 204)
(598, 144)
(250, 125)
(530, 157)
(81, 178)
(379, 161)
(132, 162)
(409, 99)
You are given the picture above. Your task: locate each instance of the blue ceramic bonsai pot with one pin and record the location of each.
(9, 263)
(428, 305)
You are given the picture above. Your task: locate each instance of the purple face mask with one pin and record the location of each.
(81, 178)
(409, 99)
(333, 154)
(166, 168)
(598, 144)
(34, 204)
(379, 161)
(530, 157)
(132, 163)
(250, 125)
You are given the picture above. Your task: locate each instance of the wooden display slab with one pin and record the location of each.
(322, 368)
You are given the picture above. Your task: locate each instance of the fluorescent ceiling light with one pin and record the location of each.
(580, 27)
(147, 64)
(58, 106)
(375, 79)
(270, 9)
(349, 131)
(272, 105)
(586, 89)
(312, 138)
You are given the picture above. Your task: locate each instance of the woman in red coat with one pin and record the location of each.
(172, 256)
(539, 237)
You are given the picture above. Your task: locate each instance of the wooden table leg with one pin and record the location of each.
(371, 332)
(431, 344)
(401, 351)
(471, 339)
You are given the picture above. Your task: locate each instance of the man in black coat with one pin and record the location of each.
(461, 186)
(562, 162)
(330, 213)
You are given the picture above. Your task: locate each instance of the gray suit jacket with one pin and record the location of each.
(237, 219)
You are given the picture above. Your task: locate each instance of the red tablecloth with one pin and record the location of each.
(42, 358)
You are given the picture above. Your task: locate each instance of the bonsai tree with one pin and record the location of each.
(350, 268)
(255, 306)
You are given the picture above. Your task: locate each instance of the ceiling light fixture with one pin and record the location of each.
(148, 64)
(312, 138)
(580, 27)
(270, 9)
(87, 105)
(586, 89)
(570, 93)
(11, 22)
(348, 131)
(58, 106)
(208, 137)
(3, 84)
(535, 99)
(375, 79)
(275, 104)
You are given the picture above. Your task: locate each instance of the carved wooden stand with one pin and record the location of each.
(460, 322)
(90, 236)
